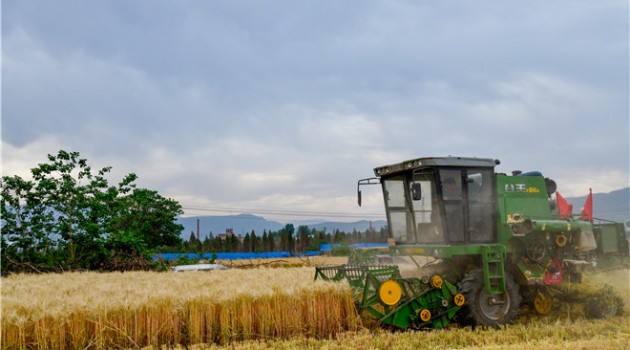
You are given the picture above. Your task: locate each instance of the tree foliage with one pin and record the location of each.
(68, 217)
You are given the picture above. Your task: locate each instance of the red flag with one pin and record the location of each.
(565, 210)
(587, 211)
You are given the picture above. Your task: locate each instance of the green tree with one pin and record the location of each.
(234, 244)
(150, 215)
(206, 245)
(265, 242)
(256, 244)
(218, 245)
(286, 238)
(23, 241)
(68, 217)
(67, 197)
(247, 243)
(303, 233)
(338, 236)
(192, 244)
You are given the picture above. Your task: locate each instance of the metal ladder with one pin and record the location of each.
(493, 258)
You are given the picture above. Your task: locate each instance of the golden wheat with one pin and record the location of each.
(135, 309)
(547, 333)
(308, 261)
(253, 309)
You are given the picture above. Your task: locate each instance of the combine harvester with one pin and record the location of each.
(497, 240)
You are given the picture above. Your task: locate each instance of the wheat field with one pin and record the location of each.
(307, 261)
(564, 329)
(137, 309)
(259, 308)
(546, 333)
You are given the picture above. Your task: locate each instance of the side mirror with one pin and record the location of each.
(416, 191)
(370, 181)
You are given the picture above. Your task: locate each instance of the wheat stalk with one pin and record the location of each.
(136, 309)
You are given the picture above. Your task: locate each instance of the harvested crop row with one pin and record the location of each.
(545, 333)
(83, 310)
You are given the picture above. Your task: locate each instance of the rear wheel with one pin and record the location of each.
(486, 309)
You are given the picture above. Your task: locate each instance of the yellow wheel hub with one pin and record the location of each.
(543, 303)
(425, 315)
(459, 299)
(437, 282)
(561, 240)
(390, 292)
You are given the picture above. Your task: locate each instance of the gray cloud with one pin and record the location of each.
(287, 104)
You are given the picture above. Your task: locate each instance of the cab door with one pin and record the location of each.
(453, 202)
(469, 206)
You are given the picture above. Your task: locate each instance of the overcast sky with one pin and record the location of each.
(266, 106)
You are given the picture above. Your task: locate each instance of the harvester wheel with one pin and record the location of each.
(459, 299)
(485, 309)
(436, 282)
(543, 302)
(425, 315)
(390, 292)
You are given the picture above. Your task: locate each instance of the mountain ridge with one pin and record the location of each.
(242, 224)
(613, 206)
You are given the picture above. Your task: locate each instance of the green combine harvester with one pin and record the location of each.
(497, 240)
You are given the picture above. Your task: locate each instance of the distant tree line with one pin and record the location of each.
(286, 239)
(69, 218)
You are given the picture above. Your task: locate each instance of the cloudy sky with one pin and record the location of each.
(281, 106)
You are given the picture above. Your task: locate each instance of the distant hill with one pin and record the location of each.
(614, 206)
(241, 224)
(349, 226)
(245, 223)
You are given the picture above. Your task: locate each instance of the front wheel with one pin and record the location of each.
(487, 309)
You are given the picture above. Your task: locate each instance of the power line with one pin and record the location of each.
(287, 212)
(314, 214)
(614, 211)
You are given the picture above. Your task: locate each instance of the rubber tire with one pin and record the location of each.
(472, 312)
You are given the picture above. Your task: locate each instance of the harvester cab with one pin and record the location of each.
(496, 238)
(440, 201)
